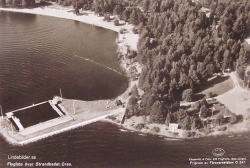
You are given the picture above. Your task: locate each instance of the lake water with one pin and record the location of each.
(36, 59)
(104, 145)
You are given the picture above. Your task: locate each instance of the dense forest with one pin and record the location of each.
(181, 46)
(182, 43)
(17, 3)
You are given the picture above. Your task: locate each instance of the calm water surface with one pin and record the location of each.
(36, 59)
(104, 145)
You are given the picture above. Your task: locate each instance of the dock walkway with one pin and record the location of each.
(27, 107)
(45, 125)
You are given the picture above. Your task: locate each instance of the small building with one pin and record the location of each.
(173, 127)
(228, 70)
(220, 109)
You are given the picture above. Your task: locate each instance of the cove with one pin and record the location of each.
(37, 59)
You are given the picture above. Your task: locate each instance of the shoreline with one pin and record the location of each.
(231, 131)
(43, 136)
(123, 41)
(130, 39)
(64, 13)
(237, 128)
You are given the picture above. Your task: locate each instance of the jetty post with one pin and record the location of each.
(61, 93)
(1, 110)
(74, 106)
(11, 126)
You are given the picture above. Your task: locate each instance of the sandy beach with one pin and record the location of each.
(127, 39)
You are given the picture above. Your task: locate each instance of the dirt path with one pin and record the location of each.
(238, 99)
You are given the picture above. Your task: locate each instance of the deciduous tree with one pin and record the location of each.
(188, 95)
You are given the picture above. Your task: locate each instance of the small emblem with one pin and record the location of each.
(218, 152)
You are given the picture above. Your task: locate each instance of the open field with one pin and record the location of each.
(241, 82)
(237, 100)
(217, 86)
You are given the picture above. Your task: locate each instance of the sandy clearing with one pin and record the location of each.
(248, 40)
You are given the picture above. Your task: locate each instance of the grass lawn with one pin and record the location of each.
(217, 86)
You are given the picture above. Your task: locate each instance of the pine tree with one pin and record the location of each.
(186, 124)
(204, 111)
(146, 5)
(3, 3)
(226, 59)
(9, 2)
(133, 18)
(25, 3)
(157, 115)
(134, 91)
(118, 10)
(188, 95)
(16, 3)
(125, 15)
(97, 9)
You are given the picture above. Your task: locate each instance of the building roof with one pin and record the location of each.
(173, 124)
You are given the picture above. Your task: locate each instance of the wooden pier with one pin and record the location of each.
(33, 105)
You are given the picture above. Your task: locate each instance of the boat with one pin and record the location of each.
(123, 130)
(172, 139)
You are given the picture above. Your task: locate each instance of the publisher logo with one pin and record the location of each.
(218, 152)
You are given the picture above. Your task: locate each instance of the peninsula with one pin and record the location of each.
(77, 113)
